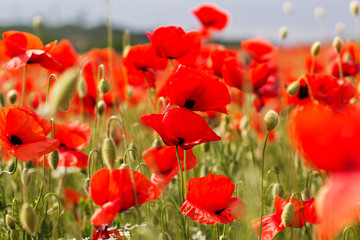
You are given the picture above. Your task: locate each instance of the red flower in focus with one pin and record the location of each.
(197, 90)
(113, 191)
(211, 18)
(209, 200)
(173, 42)
(23, 133)
(162, 161)
(65, 54)
(327, 139)
(103, 232)
(246, 79)
(272, 224)
(182, 127)
(19, 48)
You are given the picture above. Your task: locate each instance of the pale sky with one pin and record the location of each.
(249, 18)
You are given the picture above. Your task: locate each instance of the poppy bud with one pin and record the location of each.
(354, 7)
(101, 107)
(81, 86)
(37, 22)
(131, 153)
(293, 88)
(337, 44)
(54, 159)
(278, 190)
(28, 218)
(12, 96)
(104, 86)
(288, 214)
(2, 101)
(283, 32)
(315, 48)
(10, 222)
(86, 184)
(306, 195)
(271, 119)
(156, 143)
(108, 152)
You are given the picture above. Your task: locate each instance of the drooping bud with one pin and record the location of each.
(337, 44)
(28, 218)
(104, 86)
(354, 7)
(54, 159)
(131, 153)
(108, 152)
(101, 106)
(81, 86)
(283, 32)
(288, 214)
(10, 222)
(271, 119)
(278, 190)
(293, 88)
(315, 48)
(12, 96)
(306, 195)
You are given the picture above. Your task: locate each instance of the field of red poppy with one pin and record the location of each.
(180, 137)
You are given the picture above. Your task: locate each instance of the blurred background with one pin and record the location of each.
(83, 21)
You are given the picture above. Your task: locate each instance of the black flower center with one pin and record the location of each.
(15, 140)
(218, 212)
(303, 92)
(181, 141)
(189, 103)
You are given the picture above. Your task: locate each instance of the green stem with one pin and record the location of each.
(23, 86)
(136, 156)
(163, 220)
(262, 183)
(13, 171)
(181, 175)
(185, 174)
(309, 174)
(248, 110)
(303, 211)
(89, 161)
(312, 65)
(113, 118)
(346, 233)
(101, 74)
(48, 86)
(110, 41)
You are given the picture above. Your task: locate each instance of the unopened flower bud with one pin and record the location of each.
(54, 159)
(81, 86)
(315, 48)
(288, 214)
(354, 7)
(28, 218)
(108, 152)
(131, 153)
(278, 190)
(293, 88)
(104, 86)
(306, 195)
(86, 184)
(337, 44)
(14, 235)
(12, 96)
(271, 119)
(101, 106)
(283, 32)
(37, 22)
(10, 222)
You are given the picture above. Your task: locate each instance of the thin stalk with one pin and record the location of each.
(303, 211)
(23, 86)
(248, 111)
(262, 183)
(48, 86)
(13, 171)
(181, 175)
(346, 233)
(101, 74)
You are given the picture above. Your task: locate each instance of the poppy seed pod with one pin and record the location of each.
(288, 214)
(54, 159)
(101, 107)
(81, 87)
(104, 86)
(315, 48)
(28, 218)
(293, 88)
(354, 8)
(337, 44)
(108, 152)
(306, 195)
(278, 190)
(271, 119)
(12, 96)
(283, 32)
(37, 22)
(10, 222)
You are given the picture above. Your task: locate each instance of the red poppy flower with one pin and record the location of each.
(182, 127)
(19, 48)
(327, 139)
(162, 161)
(173, 42)
(209, 200)
(349, 68)
(211, 18)
(113, 191)
(246, 79)
(272, 224)
(218, 57)
(23, 133)
(65, 54)
(258, 48)
(197, 90)
(104, 232)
